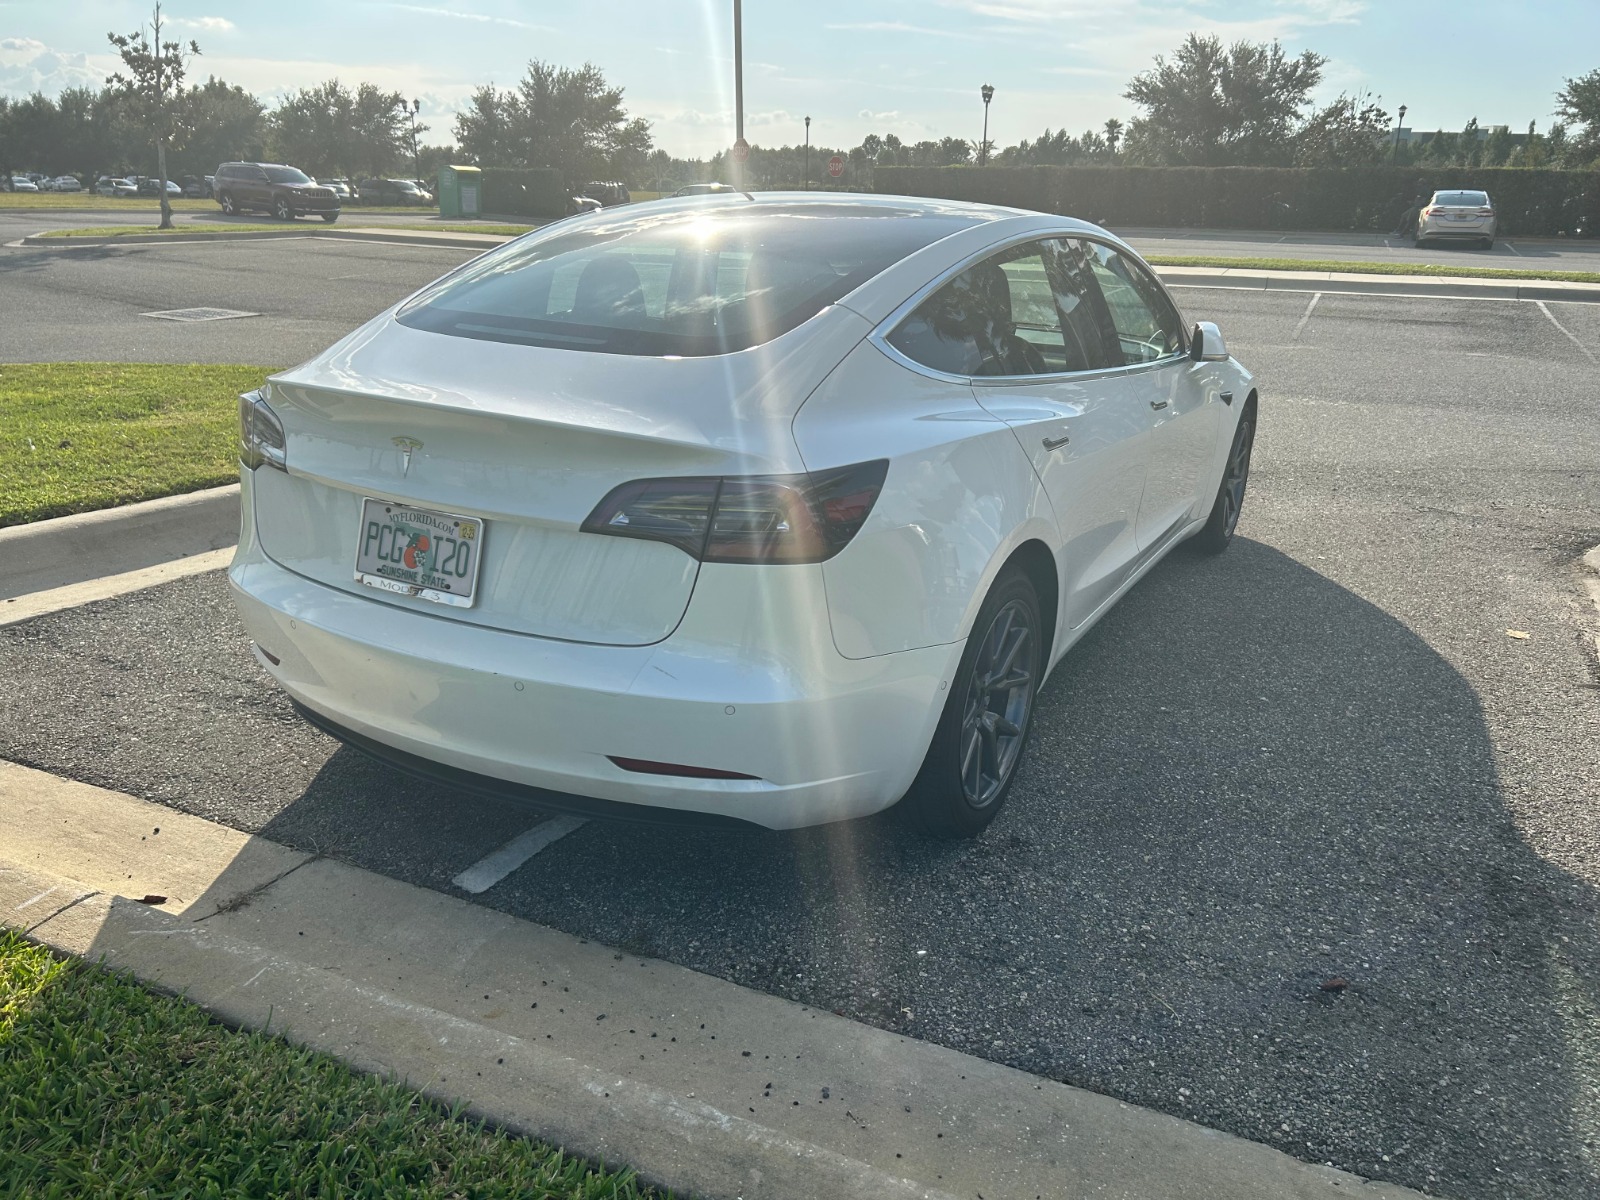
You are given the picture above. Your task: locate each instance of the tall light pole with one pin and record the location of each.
(987, 92)
(416, 153)
(808, 154)
(738, 85)
(1394, 154)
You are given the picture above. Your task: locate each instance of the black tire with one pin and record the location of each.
(949, 798)
(1488, 243)
(1217, 533)
(281, 209)
(330, 218)
(226, 200)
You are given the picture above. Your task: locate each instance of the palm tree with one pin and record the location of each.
(1113, 129)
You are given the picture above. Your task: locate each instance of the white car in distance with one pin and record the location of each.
(776, 510)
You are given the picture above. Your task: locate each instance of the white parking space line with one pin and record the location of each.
(1310, 308)
(35, 604)
(1513, 249)
(492, 868)
(1587, 353)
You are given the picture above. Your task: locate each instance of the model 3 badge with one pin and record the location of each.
(406, 446)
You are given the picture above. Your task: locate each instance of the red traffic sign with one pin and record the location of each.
(836, 166)
(741, 151)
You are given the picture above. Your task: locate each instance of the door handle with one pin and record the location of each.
(1056, 443)
(1158, 404)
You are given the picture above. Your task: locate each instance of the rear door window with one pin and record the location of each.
(1024, 311)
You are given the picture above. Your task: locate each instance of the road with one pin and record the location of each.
(1510, 253)
(1318, 757)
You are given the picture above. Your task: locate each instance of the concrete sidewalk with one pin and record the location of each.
(702, 1086)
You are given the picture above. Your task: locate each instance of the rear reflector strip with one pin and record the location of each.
(268, 655)
(645, 767)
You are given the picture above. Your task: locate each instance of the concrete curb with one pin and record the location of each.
(703, 1086)
(64, 551)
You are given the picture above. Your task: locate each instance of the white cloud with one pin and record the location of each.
(893, 27)
(878, 118)
(28, 66)
(204, 24)
(461, 15)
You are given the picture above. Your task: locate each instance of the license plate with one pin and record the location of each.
(419, 552)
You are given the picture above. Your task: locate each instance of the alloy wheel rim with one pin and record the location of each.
(999, 702)
(1237, 477)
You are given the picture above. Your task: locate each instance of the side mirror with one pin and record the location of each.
(1206, 343)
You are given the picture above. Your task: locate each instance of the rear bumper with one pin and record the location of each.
(749, 683)
(1469, 231)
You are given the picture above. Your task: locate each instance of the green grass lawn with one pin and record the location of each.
(1452, 271)
(82, 436)
(148, 204)
(496, 230)
(108, 1089)
(95, 231)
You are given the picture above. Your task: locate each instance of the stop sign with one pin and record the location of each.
(836, 166)
(741, 151)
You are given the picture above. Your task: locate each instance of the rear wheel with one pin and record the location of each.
(226, 200)
(1217, 533)
(979, 741)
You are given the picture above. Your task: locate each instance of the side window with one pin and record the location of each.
(1147, 325)
(1086, 330)
(996, 318)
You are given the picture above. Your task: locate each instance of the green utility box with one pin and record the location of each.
(460, 192)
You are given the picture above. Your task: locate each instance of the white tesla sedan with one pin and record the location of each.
(776, 509)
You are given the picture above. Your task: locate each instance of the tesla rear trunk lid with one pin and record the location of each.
(527, 440)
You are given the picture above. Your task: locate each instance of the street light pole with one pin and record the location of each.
(416, 154)
(1394, 154)
(738, 85)
(808, 154)
(987, 92)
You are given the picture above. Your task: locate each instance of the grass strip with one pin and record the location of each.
(95, 231)
(495, 230)
(1449, 271)
(90, 202)
(81, 436)
(108, 1089)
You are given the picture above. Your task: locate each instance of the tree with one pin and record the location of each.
(328, 130)
(1497, 146)
(155, 72)
(558, 117)
(226, 122)
(1578, 103)
(1216, 106)
(1113, 131)
(1350, 132)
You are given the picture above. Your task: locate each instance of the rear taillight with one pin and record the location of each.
(260, 433)
(1486, 212)
(746, 519)
(1430, 211)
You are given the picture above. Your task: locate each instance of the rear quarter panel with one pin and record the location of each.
(960, 495)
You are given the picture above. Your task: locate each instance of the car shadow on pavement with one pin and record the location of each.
(1257, 872)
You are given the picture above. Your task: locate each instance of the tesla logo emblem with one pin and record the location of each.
(406, 445)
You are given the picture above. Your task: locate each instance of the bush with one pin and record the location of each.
(1531, 203)
(536, 192)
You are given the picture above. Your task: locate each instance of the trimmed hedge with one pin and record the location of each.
(536, 192)
(1531, 203)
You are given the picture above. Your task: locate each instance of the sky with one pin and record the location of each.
(909, 67)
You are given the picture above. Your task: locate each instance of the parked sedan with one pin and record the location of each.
(393, 192)
(120, 188)
(150, 186)
(21, 183)
(65, 183)
(775, 511)
(1457, 217)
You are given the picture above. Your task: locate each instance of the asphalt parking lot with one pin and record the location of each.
(1319, 757)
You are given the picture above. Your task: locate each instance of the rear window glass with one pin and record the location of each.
(1461, 199)
(690, 283)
